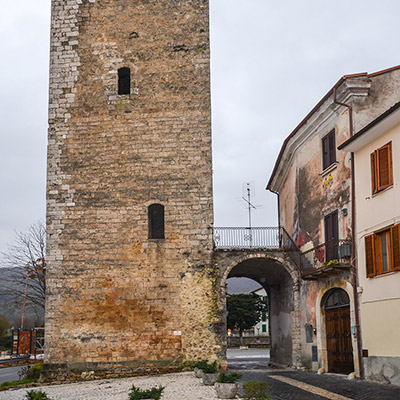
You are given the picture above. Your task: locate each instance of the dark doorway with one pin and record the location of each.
(338, 332)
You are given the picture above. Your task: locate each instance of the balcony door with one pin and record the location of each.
(331, 236)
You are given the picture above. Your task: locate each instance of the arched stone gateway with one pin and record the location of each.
(279, 276)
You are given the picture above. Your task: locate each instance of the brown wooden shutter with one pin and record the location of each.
(332, 148)
(370, 256)
(325, 152)
(373, 174)
(384, 166)
(378, 260)
(395, 230)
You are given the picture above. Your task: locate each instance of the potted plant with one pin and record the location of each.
(210, 373)
(227, 386)
(198, 368)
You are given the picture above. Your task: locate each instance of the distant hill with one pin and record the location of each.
(11, 307)
(241, 285)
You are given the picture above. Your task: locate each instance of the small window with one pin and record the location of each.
(156, 221)
(328, 150)
(264, 328)
(381, 168)
(382, 251)
(264, 316)
(124, 81)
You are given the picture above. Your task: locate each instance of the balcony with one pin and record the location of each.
(256, 239)
(326, 259)
(266, 238)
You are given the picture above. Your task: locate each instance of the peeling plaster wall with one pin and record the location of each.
(383, 94)
(305, 198)
(281, 314)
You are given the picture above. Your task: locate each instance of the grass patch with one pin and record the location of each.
(9, 384)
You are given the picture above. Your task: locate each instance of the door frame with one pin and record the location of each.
(321, 324)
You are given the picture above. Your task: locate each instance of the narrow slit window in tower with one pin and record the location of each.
(156, 221)
(124, 81)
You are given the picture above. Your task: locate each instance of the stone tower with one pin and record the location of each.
(129, 187)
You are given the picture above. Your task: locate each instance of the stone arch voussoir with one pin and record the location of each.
(279, 258)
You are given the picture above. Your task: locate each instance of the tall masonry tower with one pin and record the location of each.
(129, 188)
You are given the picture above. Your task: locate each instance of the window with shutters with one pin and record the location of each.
(328, 150)
(156, 221)
(381, 168)
(331, 224)
(382, 251)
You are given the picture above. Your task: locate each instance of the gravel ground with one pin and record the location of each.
(180, 386)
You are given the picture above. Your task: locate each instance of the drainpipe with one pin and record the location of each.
(354, 273)
(279, 211)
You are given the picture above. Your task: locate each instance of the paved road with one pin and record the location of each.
(295, 385)
(286, 384)
(248, 359)
(9, 374)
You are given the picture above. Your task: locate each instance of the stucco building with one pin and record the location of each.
(261, 328)
(376, 151)
(315, 186)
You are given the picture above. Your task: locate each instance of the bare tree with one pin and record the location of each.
(24, 279)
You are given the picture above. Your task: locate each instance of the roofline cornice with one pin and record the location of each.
(354, 87)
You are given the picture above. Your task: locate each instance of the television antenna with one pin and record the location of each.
(247, 189)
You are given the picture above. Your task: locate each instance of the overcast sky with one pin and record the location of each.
(272, 61)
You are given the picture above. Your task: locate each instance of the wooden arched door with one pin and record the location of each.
(338, 332)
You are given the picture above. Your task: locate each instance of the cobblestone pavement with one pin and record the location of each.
(295, 385)
(180, 386)
(284, 385)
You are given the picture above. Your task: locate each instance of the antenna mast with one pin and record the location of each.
(248, 201)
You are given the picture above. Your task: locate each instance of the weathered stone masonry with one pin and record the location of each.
(116, 300)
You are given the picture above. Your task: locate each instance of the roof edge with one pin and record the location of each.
(304, 120)
(373, 123)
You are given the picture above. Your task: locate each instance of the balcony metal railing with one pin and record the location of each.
(265, 238)
(333, 252)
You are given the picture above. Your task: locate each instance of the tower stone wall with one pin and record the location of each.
(117, 300)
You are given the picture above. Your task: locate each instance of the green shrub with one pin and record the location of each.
(6, 342)
(37, 395)
(31, 372)
(139, 394)
(256, 390)
(228, 378)
(200, 364)
(209, 368)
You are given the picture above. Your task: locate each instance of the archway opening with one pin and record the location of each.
(272, 278)
(247, 324)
